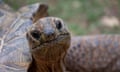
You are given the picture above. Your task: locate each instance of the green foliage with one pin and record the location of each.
(77, 30)
(75, 12)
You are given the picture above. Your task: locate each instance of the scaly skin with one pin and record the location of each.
(49, 40)
(14, 48)
(100, 53)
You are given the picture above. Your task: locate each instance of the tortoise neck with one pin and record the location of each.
(49, 67)
(46, 67)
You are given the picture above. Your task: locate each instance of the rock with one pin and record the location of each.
(110, 21)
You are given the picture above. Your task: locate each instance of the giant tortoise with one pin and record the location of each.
(32, 42)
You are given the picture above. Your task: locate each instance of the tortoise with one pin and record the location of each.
(94, 53)
(98, 53)
(32, 42)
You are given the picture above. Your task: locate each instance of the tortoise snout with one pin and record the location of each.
(49, 34)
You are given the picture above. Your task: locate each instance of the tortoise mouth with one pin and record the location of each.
(58, 39)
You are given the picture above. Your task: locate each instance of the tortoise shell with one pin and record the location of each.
(14, 48)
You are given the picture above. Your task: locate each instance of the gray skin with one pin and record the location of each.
(97, 53)
(15, 55)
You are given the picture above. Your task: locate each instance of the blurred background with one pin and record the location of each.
(83, 17)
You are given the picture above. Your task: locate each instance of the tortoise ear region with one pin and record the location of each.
(40, 13)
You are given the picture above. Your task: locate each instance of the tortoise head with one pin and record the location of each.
(49, 39)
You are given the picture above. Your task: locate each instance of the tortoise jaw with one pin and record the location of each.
(52, 41)
(51, 51)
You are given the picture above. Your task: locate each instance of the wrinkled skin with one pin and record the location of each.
(49, 40)
(97, 53)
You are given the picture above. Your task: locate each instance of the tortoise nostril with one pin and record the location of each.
(49, 33)
(35, 34)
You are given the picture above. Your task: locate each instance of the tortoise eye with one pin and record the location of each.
(35, 34)
(58, 24)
